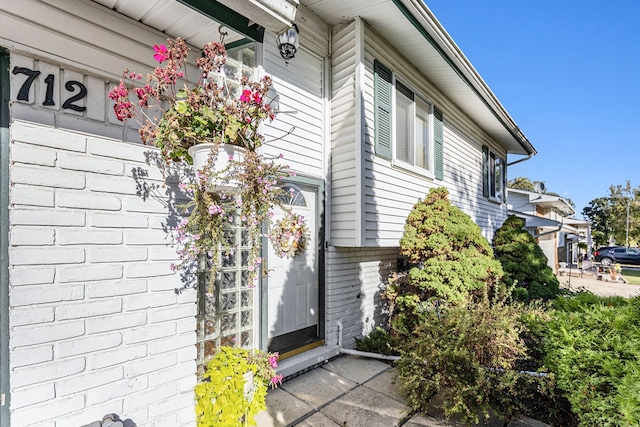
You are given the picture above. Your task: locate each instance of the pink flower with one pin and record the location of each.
(215, 209)
(161, 53)
(276, 380)
(246, 96)
(273, 361)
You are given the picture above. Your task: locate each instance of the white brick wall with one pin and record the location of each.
(96, 326)
(354, 280)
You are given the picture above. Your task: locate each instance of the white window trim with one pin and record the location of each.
(428, 173)
(491, 178)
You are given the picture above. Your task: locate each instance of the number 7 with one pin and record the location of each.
(23, 93)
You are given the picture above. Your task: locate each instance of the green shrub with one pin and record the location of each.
(592, 345)
(449, 260)
(378, 341)
(523, 262)
(466, 355)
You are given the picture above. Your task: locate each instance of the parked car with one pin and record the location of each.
(608, 255)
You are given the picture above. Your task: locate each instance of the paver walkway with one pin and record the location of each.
(349, 392)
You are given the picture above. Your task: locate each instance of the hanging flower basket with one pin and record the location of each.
(218, 159)
(213, 122)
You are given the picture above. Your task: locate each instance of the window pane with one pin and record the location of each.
(422, 134)
(492, 173)
(498, 176)
(404, 102)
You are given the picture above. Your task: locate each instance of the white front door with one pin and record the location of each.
(292, 285)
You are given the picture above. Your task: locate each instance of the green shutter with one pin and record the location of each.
(382, 103)
(438, 144)
(485, 171)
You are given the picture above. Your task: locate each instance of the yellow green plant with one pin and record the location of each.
(222, 399)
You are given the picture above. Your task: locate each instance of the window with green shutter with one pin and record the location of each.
(404, 130)
(493, 175)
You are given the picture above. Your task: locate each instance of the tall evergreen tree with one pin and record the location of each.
(524, 262)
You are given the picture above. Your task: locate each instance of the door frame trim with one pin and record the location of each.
(4, 236)
(264, 282)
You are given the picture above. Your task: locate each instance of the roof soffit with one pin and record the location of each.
(428, 46)
(424, 42)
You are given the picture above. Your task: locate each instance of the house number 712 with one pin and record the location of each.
(71, 85)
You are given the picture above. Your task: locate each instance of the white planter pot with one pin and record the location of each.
(248, 386)
(200, 154)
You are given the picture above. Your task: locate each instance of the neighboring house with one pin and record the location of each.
(582, 235)
(547, 218)
(380, 104)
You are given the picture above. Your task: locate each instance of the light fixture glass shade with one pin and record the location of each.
(288, 43)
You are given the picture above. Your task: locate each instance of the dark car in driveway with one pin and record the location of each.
(608, 255)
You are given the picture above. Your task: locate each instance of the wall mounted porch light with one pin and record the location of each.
(288, 43)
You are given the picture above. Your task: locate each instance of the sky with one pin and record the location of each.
(568, 73)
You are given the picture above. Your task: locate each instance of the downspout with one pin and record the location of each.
(360, 353)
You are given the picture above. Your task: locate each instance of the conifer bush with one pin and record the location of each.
(459, 335)
(592, 344)
(523, 262)
(449, 260)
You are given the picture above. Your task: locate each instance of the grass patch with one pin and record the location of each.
(631, 276)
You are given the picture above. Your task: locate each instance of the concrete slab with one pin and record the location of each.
(387, 384)
(282, 409)
(318, 387)
(317, 420)
(365, 407)
(355, 368)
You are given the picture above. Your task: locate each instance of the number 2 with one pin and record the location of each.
(69, 103)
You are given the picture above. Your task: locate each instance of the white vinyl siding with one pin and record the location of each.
(391, 192)
(343, 138)
(297, 131)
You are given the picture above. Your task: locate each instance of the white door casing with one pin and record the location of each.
(293, 288)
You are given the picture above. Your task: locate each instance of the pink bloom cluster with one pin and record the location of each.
(198, 112)
(273, 360)
(276, 380)
(248, 96)
(123, 107)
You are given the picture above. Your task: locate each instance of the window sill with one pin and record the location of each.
(413, 169)
(494, 200)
